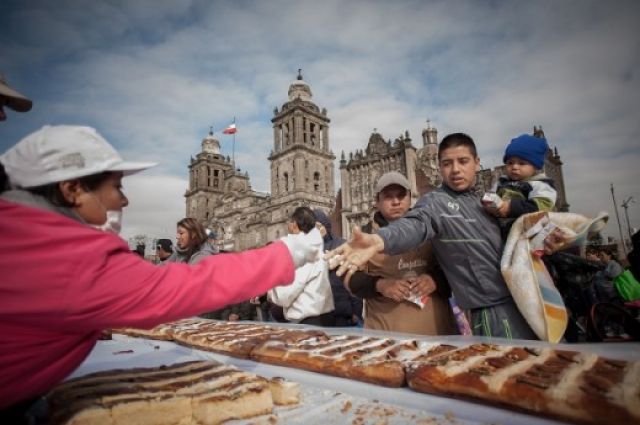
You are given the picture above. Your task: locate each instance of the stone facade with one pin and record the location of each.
(359, 174)
(302, 173)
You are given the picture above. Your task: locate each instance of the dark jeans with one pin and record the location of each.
(326, 320)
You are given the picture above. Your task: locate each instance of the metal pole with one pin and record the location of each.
(233, 154)
(615, 207)
(625, 205)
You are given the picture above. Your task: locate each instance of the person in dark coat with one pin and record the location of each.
(348, 309)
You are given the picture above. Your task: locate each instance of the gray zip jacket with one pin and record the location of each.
(466, 241)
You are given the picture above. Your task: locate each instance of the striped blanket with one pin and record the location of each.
(526, 275)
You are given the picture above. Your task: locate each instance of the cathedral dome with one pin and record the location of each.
(299, 89)
(210, 144)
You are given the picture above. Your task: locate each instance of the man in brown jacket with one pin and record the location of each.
(399, 291)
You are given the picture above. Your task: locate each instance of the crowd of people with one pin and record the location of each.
(61, 187)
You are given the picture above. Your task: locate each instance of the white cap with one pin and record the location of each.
(64, 152)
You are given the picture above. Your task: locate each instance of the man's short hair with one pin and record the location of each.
(304, 218)
(457, 139)
(165, 244)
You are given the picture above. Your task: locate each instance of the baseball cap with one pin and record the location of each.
(392, 177)
(64, 152)
(15, 100)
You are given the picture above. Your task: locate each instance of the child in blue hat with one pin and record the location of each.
(525, 188)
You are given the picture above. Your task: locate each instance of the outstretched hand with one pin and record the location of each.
(355, 253)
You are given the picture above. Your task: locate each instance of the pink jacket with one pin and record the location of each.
(62, 282)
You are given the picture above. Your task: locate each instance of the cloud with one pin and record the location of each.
(154, 75)
(153, 213)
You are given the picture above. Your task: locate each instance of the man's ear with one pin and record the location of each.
(478, 168)
(71, 190)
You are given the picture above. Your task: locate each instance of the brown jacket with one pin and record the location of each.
(382, 313)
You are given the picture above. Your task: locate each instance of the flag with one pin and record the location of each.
(230, 130)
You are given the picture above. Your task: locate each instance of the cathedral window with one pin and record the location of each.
(316, 181)
(286, 182)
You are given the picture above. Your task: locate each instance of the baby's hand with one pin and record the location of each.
(490, 209)
(503, 209)
(491, 203)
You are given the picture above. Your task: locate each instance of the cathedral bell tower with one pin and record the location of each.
(302, 171)
(208, 173)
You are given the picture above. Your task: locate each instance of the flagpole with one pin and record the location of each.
(233, 148)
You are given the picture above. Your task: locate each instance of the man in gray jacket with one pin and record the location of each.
(466, 242)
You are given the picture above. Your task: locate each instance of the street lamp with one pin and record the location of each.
(625, 205)
(615, 206)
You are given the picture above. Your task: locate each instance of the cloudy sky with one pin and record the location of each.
(152, 76)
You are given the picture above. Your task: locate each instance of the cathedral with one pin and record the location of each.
(302, 173)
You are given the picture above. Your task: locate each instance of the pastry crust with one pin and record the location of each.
(561, 384)
(202, 392)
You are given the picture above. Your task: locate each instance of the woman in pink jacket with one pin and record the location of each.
(66, 275)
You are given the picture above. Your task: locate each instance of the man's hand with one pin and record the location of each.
(349, 256)
(395, 289)
(422, 285)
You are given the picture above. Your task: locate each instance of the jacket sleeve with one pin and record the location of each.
(410, 231)
(284, 296)
(125, 290)
(363, 285)
(542, 197)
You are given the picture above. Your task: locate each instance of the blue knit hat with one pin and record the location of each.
(531, 149)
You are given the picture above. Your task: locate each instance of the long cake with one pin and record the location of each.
(200, 392)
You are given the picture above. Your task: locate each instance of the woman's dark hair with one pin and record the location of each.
(457, 139)
(197, 234)
(51, 191)
(304, 218)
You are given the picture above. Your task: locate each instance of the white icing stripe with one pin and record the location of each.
(631, 388)
(335, 343)
(569, 379)
(449, 370)
(374, 346)
(498, 379)
(381, 354)
(409, 354)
